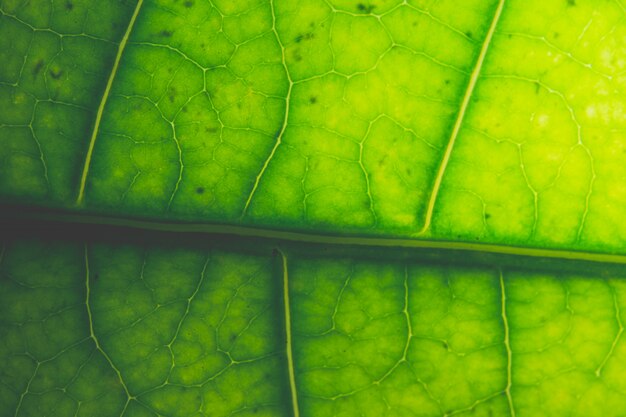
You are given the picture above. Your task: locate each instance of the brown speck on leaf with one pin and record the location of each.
(200, 190)
(69, 6)
(188, 4)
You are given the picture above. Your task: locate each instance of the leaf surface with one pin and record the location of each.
(138, 328)
(375, 208)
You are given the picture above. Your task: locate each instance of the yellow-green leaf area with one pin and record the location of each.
(496, 121)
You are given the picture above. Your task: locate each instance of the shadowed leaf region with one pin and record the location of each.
(499, 121)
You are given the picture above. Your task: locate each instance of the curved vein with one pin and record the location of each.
(103, 102)
(459, 119)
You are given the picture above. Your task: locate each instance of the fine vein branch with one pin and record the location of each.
(459, 119)
(283, 127)
(95, 339)
(103, 102)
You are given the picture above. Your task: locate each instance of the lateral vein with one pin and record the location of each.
(290, 362)
(459, 119)
(507, 344)
(103, 101)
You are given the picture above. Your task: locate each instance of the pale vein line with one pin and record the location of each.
(279, 135)
(26, 390)
(617, 336)
(185, 314)
(507, 344)
(290, 363)
(105, 97)
(459, 120)
(93, 336)
(409, 330)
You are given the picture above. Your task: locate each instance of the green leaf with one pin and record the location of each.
(361, 208)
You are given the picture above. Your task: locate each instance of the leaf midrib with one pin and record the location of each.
(82, 221)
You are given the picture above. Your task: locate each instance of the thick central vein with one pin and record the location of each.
(281, 131)
(459, 119)
(272, 235)
(103, 102)
(290, 363)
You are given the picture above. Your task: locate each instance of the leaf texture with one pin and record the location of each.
(381, 208)
(500, 122)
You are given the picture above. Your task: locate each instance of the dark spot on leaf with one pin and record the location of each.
(445, 345)
(447, 82)
(56, 73)
(96, 276)
(274, 252)
(469, 34)
(409, 171)
(537, 87)
(556, 35)
(200, 190)
(69, 6)
(304, 37)
(232, 337)
(487, 216)
(188, 4)
(210, 129)
(38, 67)
(312, 99)
(166, 33)
(365, 8)
(571, 2)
